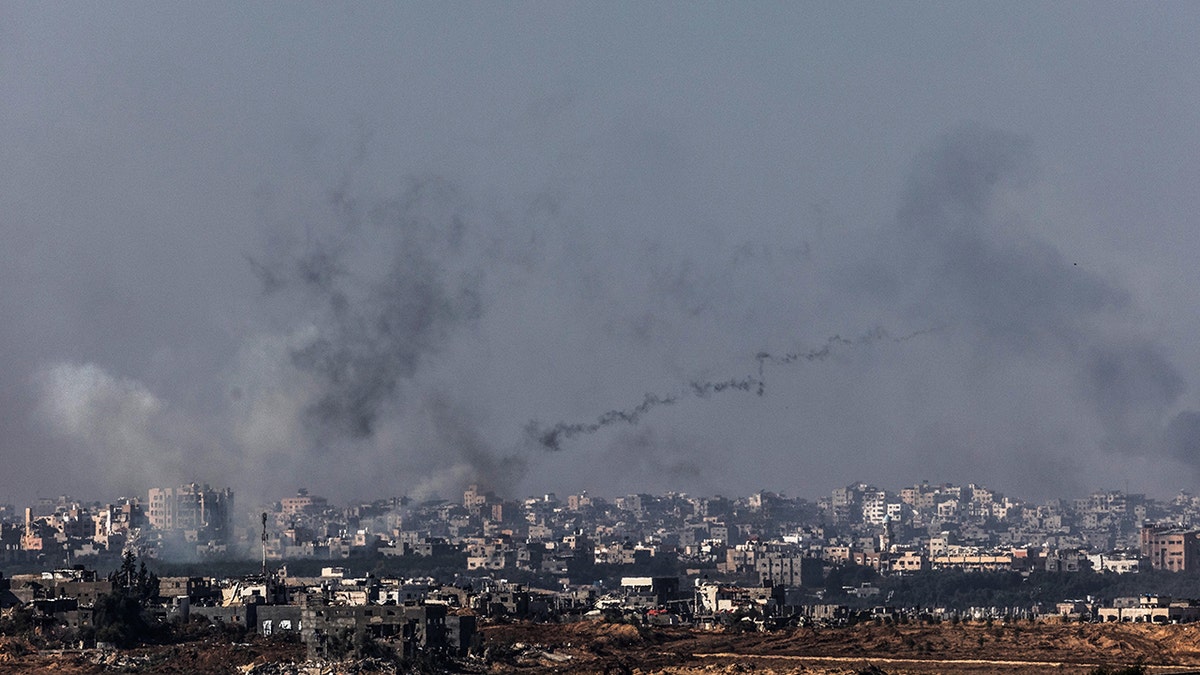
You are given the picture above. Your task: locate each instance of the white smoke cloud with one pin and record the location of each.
(121, 430)
(86, 402)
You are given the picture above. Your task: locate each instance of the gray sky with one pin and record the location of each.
(376, 249)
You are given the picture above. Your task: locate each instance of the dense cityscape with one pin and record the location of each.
(422, 576)
(922, 527)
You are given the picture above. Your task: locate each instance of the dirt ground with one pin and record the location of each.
(259, 656)
(909, 649)
(594, 647)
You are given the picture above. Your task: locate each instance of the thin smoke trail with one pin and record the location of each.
(552, 438)
(831, 345)
(706, 389)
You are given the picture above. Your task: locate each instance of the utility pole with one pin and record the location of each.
(264, 545)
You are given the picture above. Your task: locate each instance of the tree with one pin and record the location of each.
(118, 619)
(133, 579)
(118, 616)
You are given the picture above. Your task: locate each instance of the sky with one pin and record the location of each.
(381, 249)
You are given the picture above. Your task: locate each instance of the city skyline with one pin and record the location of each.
(922, 527)
(306, 494)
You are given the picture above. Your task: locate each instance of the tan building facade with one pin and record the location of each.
(1171, 549)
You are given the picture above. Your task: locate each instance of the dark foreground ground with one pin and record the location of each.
(591, 647)
(906, 649)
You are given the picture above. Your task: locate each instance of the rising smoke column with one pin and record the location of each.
(124, 431)
(378, 312)
(967, 260)
(372, 300)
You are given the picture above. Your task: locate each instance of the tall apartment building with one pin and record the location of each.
(192, 508)
(1170, 548)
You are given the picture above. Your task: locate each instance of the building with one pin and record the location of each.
(1152, 609)
(788, 569)
(201, 512)
(658, 590)
(1116, 564)
(303, 503)
(1170, 548)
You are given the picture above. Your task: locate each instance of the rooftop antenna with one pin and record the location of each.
(264, 544)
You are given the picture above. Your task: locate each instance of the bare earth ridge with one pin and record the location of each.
(596, 647)
(944, 648)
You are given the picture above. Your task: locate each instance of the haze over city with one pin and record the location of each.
(381, 249)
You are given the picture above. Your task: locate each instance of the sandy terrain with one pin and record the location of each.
(945, 648)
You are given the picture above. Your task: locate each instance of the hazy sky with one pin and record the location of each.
(381, 249)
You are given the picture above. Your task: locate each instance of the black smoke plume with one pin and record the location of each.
(373, 299)
(960, 256)
(399, 305)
